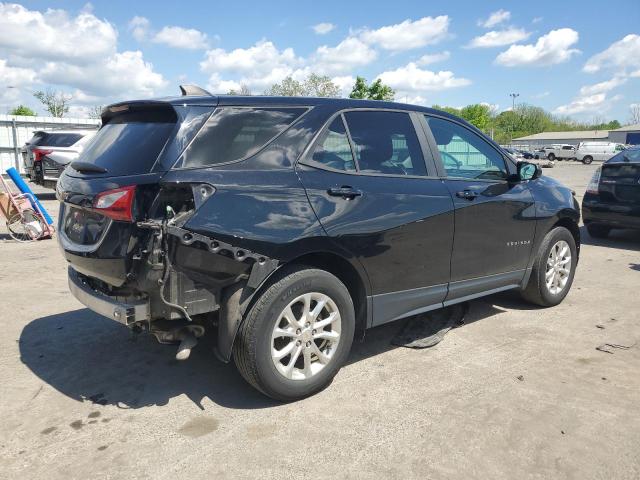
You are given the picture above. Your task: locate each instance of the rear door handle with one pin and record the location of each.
(467, 194)
(344, 192)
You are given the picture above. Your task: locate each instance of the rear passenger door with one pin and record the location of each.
(494, 217)
(377, 195)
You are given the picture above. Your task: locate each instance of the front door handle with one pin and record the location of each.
(344, 192)
(467, 194)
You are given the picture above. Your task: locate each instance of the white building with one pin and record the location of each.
(571, 138)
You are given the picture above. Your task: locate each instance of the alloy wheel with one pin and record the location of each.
(558, 267)
(305, 336)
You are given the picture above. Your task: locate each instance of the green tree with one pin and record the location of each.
(478, 115)
(22, 110)
(313, 86)
(376, 91)
(451, 110)
(56, 103)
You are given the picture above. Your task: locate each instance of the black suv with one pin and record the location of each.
(285, 225)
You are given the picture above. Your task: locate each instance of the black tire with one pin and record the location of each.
(536, 290)
(598, 231)
(587, 159)
(252, 348)
(551, 157)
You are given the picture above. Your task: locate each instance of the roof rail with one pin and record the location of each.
(194, 90)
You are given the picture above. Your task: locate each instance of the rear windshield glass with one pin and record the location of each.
(235, 133)
(55, 139)
(128, 144)
(632, 155)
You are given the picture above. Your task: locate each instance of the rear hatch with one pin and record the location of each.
(620, 179)
(113, 182)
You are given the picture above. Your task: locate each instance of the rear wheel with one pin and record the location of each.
(553, 269)
(297, 335)
(551, 157)
(598, 231)
(587, 159)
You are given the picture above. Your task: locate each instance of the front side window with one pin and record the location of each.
(464, 153)
(385, 142)
(233, 133)
(333, 150)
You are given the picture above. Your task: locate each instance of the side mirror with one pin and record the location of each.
(528, 171)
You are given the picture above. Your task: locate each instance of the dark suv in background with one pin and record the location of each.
(285, 225)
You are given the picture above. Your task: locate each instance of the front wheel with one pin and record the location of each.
(297, 335)
(553, 269)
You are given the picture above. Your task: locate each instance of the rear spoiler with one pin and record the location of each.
(139, 111)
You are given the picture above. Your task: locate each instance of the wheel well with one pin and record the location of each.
(572, 226)
(347, 274)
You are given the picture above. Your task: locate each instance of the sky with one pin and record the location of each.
(575, 58)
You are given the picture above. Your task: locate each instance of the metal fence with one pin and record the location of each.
(16, 130)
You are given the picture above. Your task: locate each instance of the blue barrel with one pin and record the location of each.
(24, 188)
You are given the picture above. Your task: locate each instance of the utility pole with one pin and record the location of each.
(513, 109)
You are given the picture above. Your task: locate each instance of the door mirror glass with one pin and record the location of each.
(528, 171)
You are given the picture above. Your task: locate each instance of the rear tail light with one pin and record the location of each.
(38, 153)
(116, 204)
(594, 182)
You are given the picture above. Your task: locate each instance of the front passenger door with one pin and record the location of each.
(494, 217)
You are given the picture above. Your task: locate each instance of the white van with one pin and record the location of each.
(587, 152)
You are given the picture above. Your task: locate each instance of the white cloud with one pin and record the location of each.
(15, 76)
(139, 27)
(602, 86)
(178, 37)
(408, 34)
(54, 34)
(537, 19)
(345, 83)
(619, 55)
(498, 38)
(428, 59)
(550, 49)
(77, 54)
(598, 102)
(542, 94)
(259, 59)
(495, 18)
(412, 78)
(323, 28)
(349, 53)
(121, 75)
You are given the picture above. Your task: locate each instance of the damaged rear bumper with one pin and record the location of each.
(127, 313)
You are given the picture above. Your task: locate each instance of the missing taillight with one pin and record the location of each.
(117, 203)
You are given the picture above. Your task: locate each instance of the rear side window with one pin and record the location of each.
(333, 150)
(233, 133)
(385, 142)
(129, 143)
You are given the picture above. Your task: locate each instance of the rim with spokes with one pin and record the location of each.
(18, 223)
(558, 267)
(305, 336)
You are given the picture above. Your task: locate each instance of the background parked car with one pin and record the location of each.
(587, 152)
(560, 152)
(48, 152)
(612, 199)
